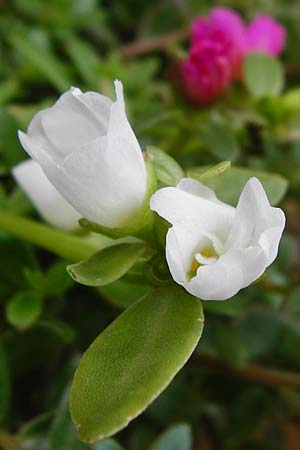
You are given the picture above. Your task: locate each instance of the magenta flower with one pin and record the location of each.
(266, 35)
(206, 73)
(226, 27)
(219, 44)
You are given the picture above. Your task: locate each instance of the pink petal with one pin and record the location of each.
(266, 35)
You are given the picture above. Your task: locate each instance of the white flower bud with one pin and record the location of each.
(87, 149)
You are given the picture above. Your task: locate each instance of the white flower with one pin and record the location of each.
(213, 249)
(87, 149)
(48, 201)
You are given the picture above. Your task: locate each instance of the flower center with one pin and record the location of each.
(206, 256)
(209, 253)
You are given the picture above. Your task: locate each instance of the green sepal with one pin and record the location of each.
(207, 175)
(141, 224)
(168, 171)
(107, 265)
(133, 360)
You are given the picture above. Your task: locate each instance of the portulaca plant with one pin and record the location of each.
(185, 243)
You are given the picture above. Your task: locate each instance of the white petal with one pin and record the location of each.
(269, 241)
(200, 190)
(192, 212)
(233, 271)
(177, 261)
(254, 216)
(75, 119)
(104, 189)
(72, 121)
(47, 200)
(181, 247)
(35, 150)
(98, 105)
(119, 126)
(35, 138)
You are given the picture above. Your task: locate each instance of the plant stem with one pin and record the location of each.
(154, 43)
(62, 244)
(253, 372)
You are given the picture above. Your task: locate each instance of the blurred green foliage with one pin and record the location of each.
(47, 321)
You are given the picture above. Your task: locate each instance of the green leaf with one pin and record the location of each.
(62, 434)
(17, 202)
(227, 342)
(259, 332)
(142, 436)
(107, 265)
(123, 294)
(23, 309)
(36, 427)
(291, 99)
(85, 59)
(229, 184)
(168, 171)
(107, 444)
(9, 89)
(5, 383)
(233, 308)
(37, 346)
(57, 279)
(177, 437)
(263, 75)
(43, 60)
(9, 145)
(133, 361)
(220, 140)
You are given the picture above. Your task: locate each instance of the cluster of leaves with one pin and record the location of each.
(47, 321)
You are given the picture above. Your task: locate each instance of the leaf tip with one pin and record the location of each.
(71, 272)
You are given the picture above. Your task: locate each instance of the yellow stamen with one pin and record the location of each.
(209, 254)
(194, 266)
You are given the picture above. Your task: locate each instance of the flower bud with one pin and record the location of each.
(206, 73)
(86, 147)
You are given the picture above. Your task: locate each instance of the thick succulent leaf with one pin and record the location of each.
(133, 361)
(23, 309)
(107, 444)
(107, 265)
(229, 184)
(263, 75)
(177, 437)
